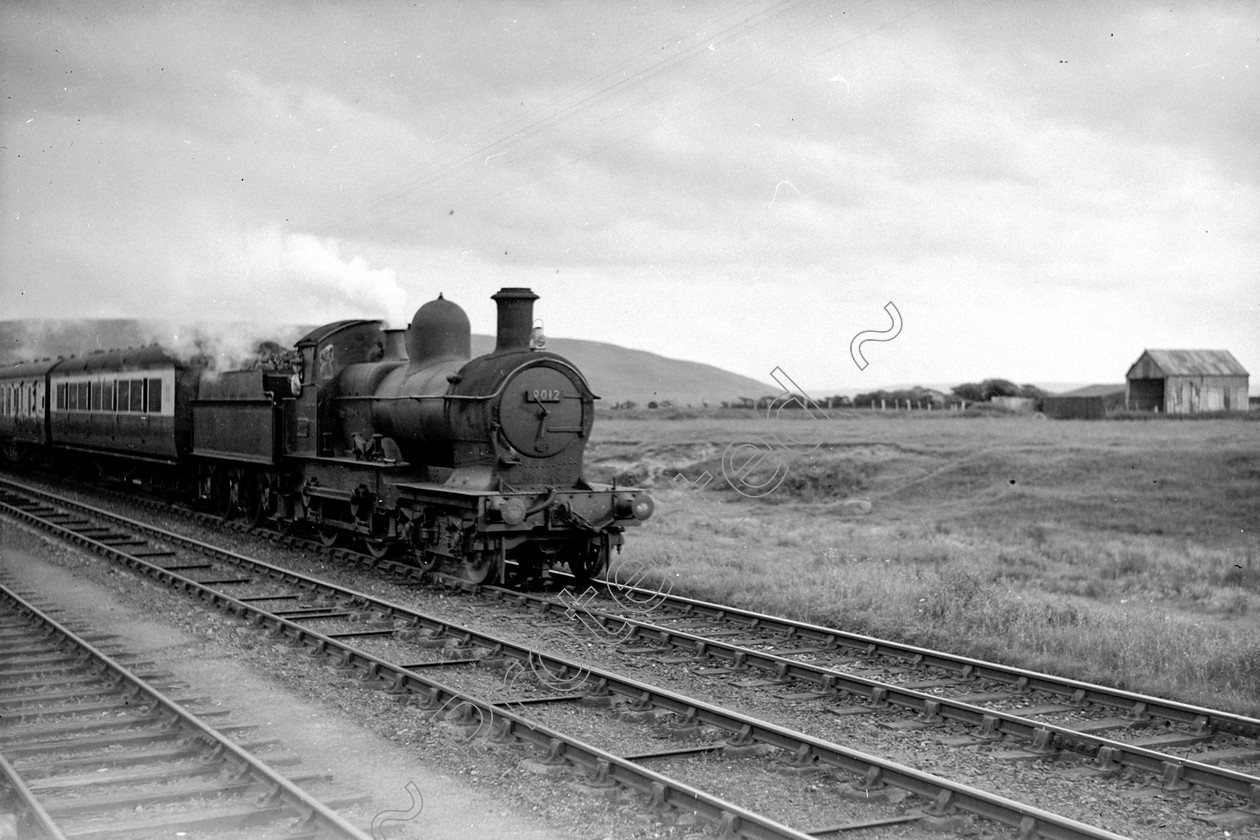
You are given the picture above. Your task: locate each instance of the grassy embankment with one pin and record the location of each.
(1126, 553)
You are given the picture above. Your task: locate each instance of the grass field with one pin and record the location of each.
(1124, 552)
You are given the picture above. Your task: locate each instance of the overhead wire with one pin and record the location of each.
(573, 109)
(726, 94)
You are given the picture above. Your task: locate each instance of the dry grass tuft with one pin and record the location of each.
(1122, 553)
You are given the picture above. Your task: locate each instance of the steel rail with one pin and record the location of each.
(1174, 772)
(1019, 679)
(26, 799)
(600, 767)
(806, 750)
(317, 816)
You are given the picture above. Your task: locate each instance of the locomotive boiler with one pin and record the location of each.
(403, 440)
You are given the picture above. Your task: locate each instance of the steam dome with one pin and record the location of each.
(439, 330)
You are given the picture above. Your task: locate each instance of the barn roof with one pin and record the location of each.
(1192, 362)
(1094, 391)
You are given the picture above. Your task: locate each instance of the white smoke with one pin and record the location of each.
(223, 346)
(264, 284)
(228, 290)
(312, 282)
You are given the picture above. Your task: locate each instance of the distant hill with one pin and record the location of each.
(616, 374)
(850, 391)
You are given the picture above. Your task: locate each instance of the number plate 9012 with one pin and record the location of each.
(543, 395)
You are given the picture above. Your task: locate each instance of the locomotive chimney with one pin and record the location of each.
(516, 318)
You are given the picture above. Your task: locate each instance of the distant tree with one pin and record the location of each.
(871, 398)
(969, 391)
(628, 404)
(986, 390)
(990, 388)
(653, 404)
(1032, 391)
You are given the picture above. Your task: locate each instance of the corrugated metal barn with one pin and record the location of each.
(1186, 382)
(1089, 403)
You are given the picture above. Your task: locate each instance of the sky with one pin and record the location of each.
(1039, 190)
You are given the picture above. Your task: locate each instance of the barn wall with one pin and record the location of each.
(1145, 368)
(1193, 394)
(1081, 408)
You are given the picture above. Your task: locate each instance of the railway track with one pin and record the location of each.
(1041, 716)
(514, 692)
(89, 749)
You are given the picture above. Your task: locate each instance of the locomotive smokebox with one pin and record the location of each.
(516, 319)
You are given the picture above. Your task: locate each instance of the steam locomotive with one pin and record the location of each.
(397, 438)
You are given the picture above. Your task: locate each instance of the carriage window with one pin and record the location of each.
(96, 396)
(137, 396)
(85, 396)
(155, 396)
